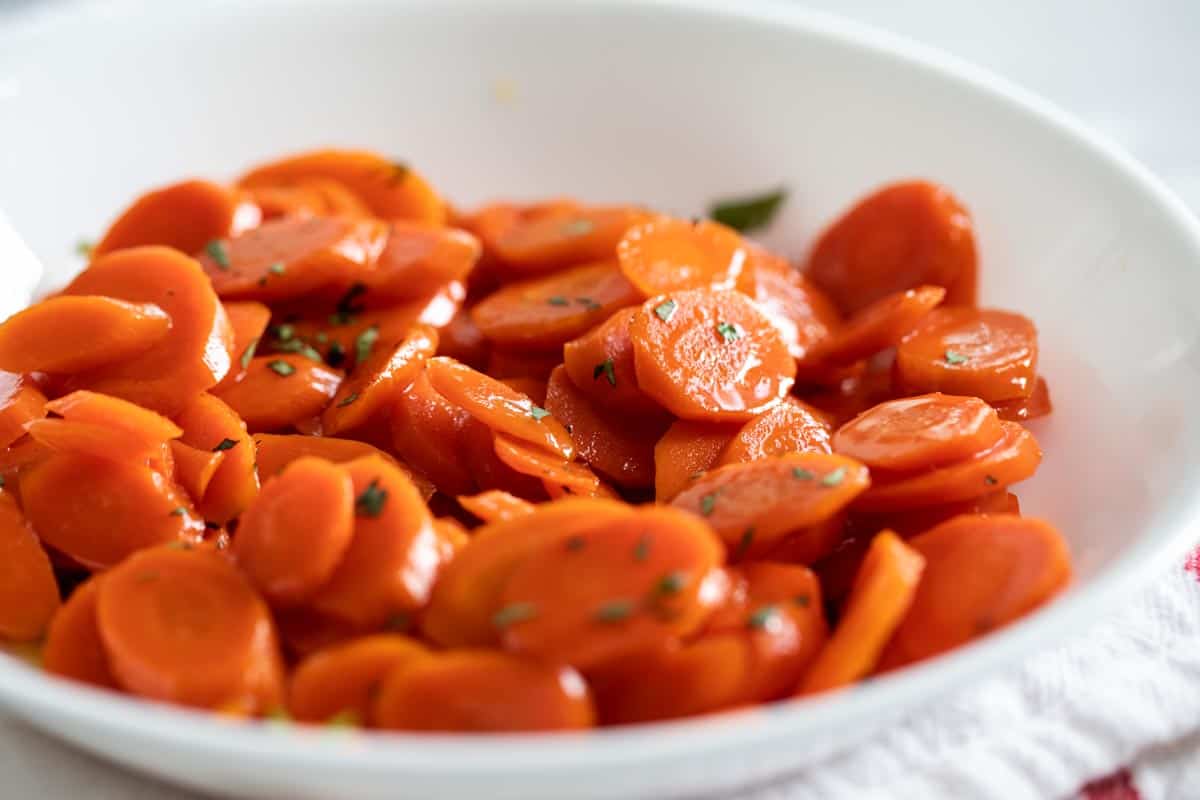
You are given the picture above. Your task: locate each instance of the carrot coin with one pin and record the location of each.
(96, 440)
(685, 452)
(462, 340)
(600, 364)
(73, 646)
(665, 255)
(418, 259)
(195, 468)
(21, 402)
(342, 682)
(428, 433)
(104, 426)
(918, 520)
(184, 215)
(495, 505)
(249, 321)
(281, 390)
(210, 424)
(790, 427)
(877, 327)
(546, 237)
(793, 304)
(1036, 405)
(488, 471)
(709, 355)
(545, 466)
(386, 369)
(28, 590)
(71, 334)
(986, 353)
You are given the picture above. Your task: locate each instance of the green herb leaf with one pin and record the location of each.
(281, 367)
(707, 503)
(953, 358)
(84, 247)
(578, 227)
(614, 611)
(276, 269)
(576, 543)
(748, 213)
(801, 474)
(225, 444)
(641, 550)
(665, 309)
(341, 318)
(607, 369)
(370, 502)
(335, 356)
(729, 332)
(801, 600)
(990, 480)
(300, 347)
(284, 332)
(696, 475)
(348, 399)
(178, 511)
(217, 252)
(744, 543)
(398, 172)
(398, 622)
(248, 354)
(834, 478)
(514, 613)
(537, 412)
(321, 337)
(588, 303)
(363, 344)
(671, 583)
(761, 617)
(557, 300)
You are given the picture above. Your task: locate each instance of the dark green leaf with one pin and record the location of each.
(225, 444)
(217, 252)
(665, 309)
(557, 300)
(729, 332)
(281, 367)
(707, 503)
(607, 369)
(363, 344)
(347, 400)
(370, 502)
(748, 213)
(248, 354)
(537, 412)
(514, 613)
(614, 611)
(671, 583)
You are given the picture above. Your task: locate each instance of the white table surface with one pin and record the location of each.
(1129, 68)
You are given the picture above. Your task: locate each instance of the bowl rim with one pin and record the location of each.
(387, 752)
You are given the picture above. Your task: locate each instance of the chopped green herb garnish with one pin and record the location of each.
(336, 355)
(607, 369)
(955, 358)
(588, 303)
(744, 543)
(707, 503)
(281, 367)
(514, 613)
(347, 400)
(761, 617)
(345, 719)
(834, 478)
(557, 300)
(671, 583)
(299, 346)
(225, 444)
(801, 474)
(341, 318)
(614, 611)
(696, 475)
(363, 344)
(665, 309)
(84, 247)
(217, 252)
(398, 172)
(641, 550)
(748, 213)
(990, 480)
(178, 511)
(801, 600)
(576, 543)
(537, 412)
(370, 502)
(276, 268)
(398, 622)
(578, 227)
(248, 354)
(179, 545)
(729, 332)
(284, 332)
(321, 337)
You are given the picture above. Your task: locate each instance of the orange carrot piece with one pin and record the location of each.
(387, 369)
(462, 340)
(21, 402)
(72, 334)
(573, 477)
(665, 255)
(17, 458)
(600, 364)
(548, 236)
(28, 591)
(185, 215)
(418, 259)
(276, 451)
(195, 468)
(503, 363)
(532, 387)
(281, 390)
(913, 521)
(801, 312)
(495, 505)
(73, 646)
(428, 433)
(98, 441)
(343, 681)
(488, 471)
(305, 632)
(877, 327)
(249, 322)
(1036, 405)
(209, 424)
(685, 452)
(125, 429)
(790, 427)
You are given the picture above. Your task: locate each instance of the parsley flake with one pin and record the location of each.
(281, 367)
(748, 213)
(336, 355)
(671, 583)
(578, 227)
(588, 303)
(218, 253)
(744, 543)
(363, 344)
(248, 354)
(614, 611)
(276, 268)
(397, 172)
(557, 300)
(347, 400)
(300, 347)
(225, 444)
(761, 617)
(344, 719)
(178, 511)
(729, 332)
(802, 474)
(990, 480)
(954, 358)
(537, 412)
(834, 478)
(514, 613)
(607, 369)
(84, 247)
(665, 310)
(801, 600)
(284, 332)
(370, 502)
(707, 503)
(576, 543)
(641, 550)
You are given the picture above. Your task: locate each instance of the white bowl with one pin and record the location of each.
(670, 104)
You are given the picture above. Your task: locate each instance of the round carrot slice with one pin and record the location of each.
(547, 311)
(883, 592)
(466, 597)
(709, 355)
(877, 327)
(534, 388)
(428, 433)
(72, 334)
(141, 508)
(417, 261)
(195, 468)
(28, 591)
(918, 520)
(489, 472)
(549, 236)
(186, 627)
(305, 632)
(903, 235)
(545, 466)
(987, 353)
(297, 200)
(21, 402)
(1036, 405)
(916, 432)
(375, 381)
(143, 432)
(462, 340)
(600, 364)
(615, 589)
(96, 440)
(391, 190)
(292, 537)
(790, 427)
(503, 363)
(209, 424)
(249, 321)
(497, 406)
(665, 255)
(478, 691)
(756, 505)
(342, 682)
(281, 390)
(495, 505)
(73, 646)
(793, 304)
(392, 559)
(1013, 458)
(194, 355)
(685, 452)
(981, 573)
(184, 215)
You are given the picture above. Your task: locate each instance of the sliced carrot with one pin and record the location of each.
(99, 441)
(28, 590)
(305, 632)
(1036, 405)
(481, 691)
(427, 432)
(73, 646)
(281, 390)
(987, 353)
(709, 355)
(919, 432)
(883, 593)
(209, 424)
(790, 427)
(504, 363)
(17, 458)
(619, 447)
(489, 471)
(1013, 458)
(193, 357)
(276, 451)
(343, 681)
(853, 393)
(386, 369)
(548, 467)
(418, 259)
(497, 406)
(600, 364)
(632, 583)
(186, 627)
(452, 535)
(493, 222)
(803, 313)
(462, 340)
(249, 322)
(917, 520)
(71, 334)
(901, 236)
(21, 402)
(756, 505)
(294, 200)
(390, 189)
(495, 505)
(534, 388)
(466, 596)
(195, 468)
(810, 544)
(392, 559)
(981, 573)
(664, 255)
(877, 327)
(685, 452)
(548, 236)
(105, 427)
(184, 215)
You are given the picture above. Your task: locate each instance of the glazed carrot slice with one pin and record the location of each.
(918, 520)
(963, 595)
(600, 364)
(462, 340)
(292, 257)
(391, 190)
(392, 560)
(418, 259)
(99, 441)
(488, 471)
(281, 390)
(28, 591)
(21, 402)
(452, 536)
(342, 682)
(305, 632)
(547, 311)
(1013, 458)
(73, 646)
(335, 198)
(504, 363)
(903, 235)
(249, 321)
(548, 467)
(19, 457)
(756, 505)
(195, 468)
(1036, 405)
(803, 313)
(497, 406)
(685, 452)
(336, 335)
(548, 236)
(665, 255)
(532, 387)
(184, 215)
(193, 357)
(375, 381)
(929, 430)
(276, 451)
(495, 505)
(294, 200)
(466, 596)
(619, 447)
(141, 508)
(72, 334)
(110, 427)
(427, 432)
(987, 353)
(855, 392)
(186, 627)
(877, 327)
(709, 355)
(790, 427)
(209, 424)
(483, 691)
(883, 593)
